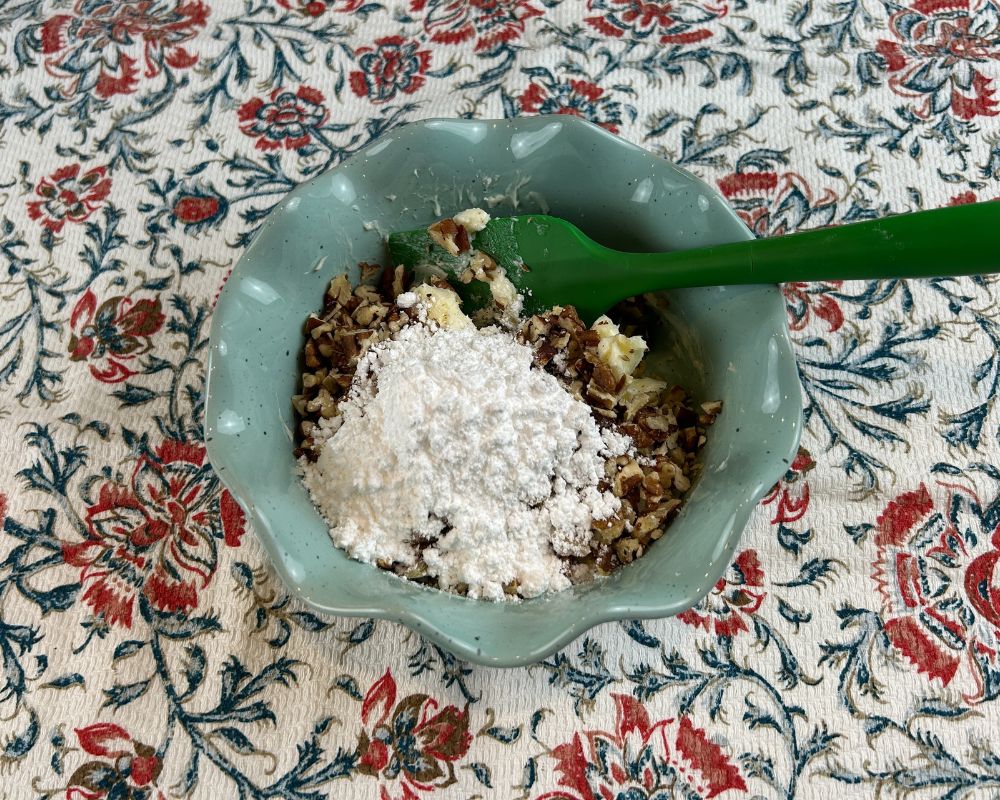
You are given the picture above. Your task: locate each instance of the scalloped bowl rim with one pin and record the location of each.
(599, 606)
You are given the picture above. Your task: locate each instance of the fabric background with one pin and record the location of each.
(147, 649)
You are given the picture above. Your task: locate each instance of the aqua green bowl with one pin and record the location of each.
(724, 343)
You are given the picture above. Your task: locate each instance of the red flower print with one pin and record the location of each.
(802, 300)
(392, 65)
(117, 331)
(130, 771)
(939, 578)
(489, 22)
(307, 8)
(942, 55)
(290, 119)
(734, 599)
(196, 205)
(642, 760)
(578, 98)
(773, 204)
(412, 739)
(104, 47)
(194, 209)
(200, 207)
(666, 23)
(157, 537)
(69, 196)
(790, 496)
(314, 8)
(965, 198)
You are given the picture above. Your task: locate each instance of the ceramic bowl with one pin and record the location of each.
(723, 343)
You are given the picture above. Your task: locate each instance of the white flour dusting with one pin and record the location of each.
(450, 441)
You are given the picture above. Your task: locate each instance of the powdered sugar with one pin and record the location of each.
(454, 449)
(406, 300)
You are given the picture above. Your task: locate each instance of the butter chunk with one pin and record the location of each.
(621, 353)
(442, 306)
(472, 219)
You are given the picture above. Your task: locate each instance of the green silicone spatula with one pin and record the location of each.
(552, 262)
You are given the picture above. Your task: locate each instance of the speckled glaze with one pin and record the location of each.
(725, 343)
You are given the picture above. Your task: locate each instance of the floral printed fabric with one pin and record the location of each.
(147, 651)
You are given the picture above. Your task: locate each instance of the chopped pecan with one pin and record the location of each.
(370, 273)
(681, 482)
(444, 234)
(712, 409)
(605, 378)
(544, 354)
(598, 398)
(607, 530)
(340, 289)
(651, 484)
(627, 549)
(462, 240)
(627, 478)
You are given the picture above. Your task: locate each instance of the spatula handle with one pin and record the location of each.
(963, 240)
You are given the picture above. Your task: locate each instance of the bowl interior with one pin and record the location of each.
(724, 343)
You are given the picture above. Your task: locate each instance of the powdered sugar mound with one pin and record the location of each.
(451, 443)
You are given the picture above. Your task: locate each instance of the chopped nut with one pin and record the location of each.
(462, 240)
(627, 549)
(681, 482)
(600, 398)
(627, 479)
(607, 530)
(365, 314)
(604, 378)
(444, 234)
(418, 570)
(369, 272)
(400, 281)
(689, 438)
(606, 559)
(647, 523)
(544, 354)
(651, 484)
(340, 289)
(712, 409)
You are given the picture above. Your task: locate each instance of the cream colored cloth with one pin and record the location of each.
(146, 648)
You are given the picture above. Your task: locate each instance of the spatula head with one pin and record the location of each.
(541, 255)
